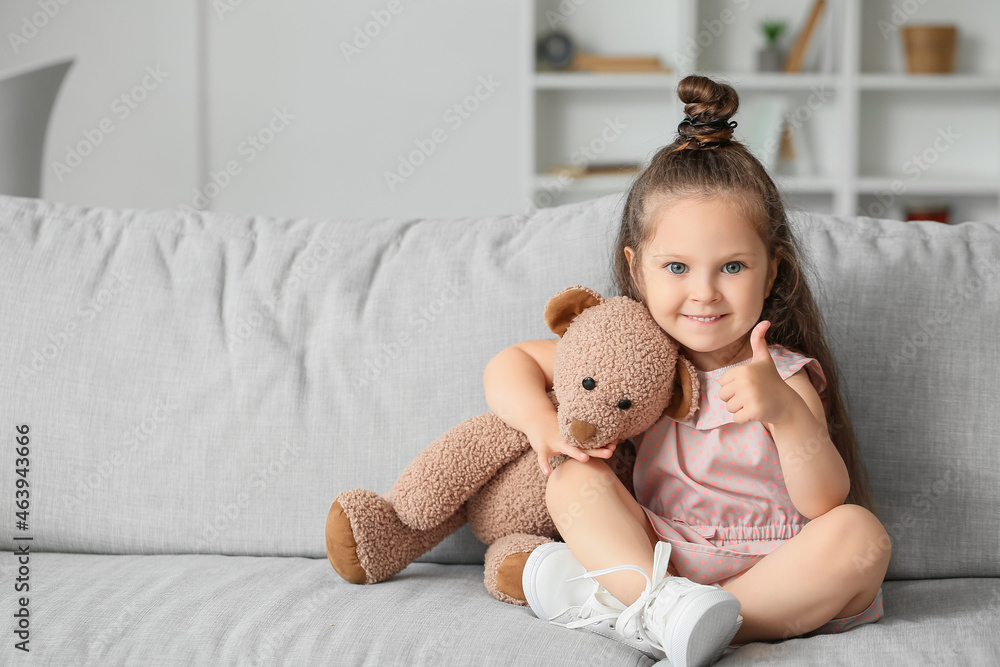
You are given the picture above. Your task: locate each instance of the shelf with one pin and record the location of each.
(799, 184)
(751, 81)
(806, 184)
(875, 136)
(593, 81)
(744, 82)
(929, 82)
(929, 186)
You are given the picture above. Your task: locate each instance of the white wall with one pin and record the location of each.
(350, 121)
(148, 158)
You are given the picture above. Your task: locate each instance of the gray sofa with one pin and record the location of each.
(197, 388)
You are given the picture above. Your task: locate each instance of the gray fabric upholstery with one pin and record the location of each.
(218, 610)
(913, 310)
(206, 384)
(210, 383)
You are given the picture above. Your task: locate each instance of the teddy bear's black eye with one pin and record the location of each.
(588, 383)
(624, 404)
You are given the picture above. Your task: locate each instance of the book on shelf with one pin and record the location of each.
(796, 59)
(592, 62)
(596, 169)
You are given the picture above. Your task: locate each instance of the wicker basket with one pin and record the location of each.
(930, 49)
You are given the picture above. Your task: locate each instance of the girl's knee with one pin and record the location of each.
(573, 480)
(573, 472)
(860, 536)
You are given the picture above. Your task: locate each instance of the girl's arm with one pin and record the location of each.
(516, 381)
(815, 474)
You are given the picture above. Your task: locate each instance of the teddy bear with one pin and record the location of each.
(615, 373)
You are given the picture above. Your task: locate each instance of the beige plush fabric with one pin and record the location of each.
(615, 374)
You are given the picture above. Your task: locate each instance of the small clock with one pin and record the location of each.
(555, 51)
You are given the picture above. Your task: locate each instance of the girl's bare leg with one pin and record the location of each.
(832, 569)
(602, 524)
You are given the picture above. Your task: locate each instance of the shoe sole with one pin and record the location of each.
(531, 569)
(704, 632)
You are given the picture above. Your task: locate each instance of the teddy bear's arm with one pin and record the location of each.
(452, 468)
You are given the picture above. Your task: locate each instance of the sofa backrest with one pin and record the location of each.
(208, 383)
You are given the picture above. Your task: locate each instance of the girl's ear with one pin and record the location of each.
(685, 398)
(772, 272)
(632, 268)
(629, 257)
(635, 271)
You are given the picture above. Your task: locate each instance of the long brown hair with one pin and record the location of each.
(704, 162)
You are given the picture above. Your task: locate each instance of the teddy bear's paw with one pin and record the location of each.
(504, 566)
(341, 547)
(367, 543)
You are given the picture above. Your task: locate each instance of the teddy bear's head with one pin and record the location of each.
(615, 371)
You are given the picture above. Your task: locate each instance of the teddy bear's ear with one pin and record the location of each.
(685, 398)
(563, 308)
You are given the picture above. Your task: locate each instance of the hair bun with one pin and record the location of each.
(708, 106)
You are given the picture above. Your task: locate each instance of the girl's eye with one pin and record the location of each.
(732, 267)
(676, 267)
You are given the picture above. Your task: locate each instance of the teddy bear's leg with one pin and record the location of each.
(505, 563)
(367, 543)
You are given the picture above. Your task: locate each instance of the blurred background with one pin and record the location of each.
(395, 108)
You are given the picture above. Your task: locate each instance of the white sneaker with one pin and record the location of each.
(675, 618)
(559, 589)
(690, 624)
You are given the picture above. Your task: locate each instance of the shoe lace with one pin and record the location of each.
(600, 607)
(633, 615)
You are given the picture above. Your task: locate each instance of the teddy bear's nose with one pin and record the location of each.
(581, 430)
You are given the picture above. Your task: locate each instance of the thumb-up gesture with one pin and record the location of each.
(755, 391)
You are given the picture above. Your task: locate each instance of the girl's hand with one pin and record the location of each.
(546, 441)
(755, 391)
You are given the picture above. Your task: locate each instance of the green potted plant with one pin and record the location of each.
(771, 58)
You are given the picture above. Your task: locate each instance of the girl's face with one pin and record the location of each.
(705, 275)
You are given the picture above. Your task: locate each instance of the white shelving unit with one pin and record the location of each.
(879, 139)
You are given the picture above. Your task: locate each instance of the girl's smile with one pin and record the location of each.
(704, 274)
(706, 319)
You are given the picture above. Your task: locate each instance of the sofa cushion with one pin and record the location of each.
(218, 610)
(913, 310)
(208, 383)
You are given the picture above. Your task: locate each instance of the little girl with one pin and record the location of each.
(757, 505)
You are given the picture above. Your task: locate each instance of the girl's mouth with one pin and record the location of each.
(705, 320)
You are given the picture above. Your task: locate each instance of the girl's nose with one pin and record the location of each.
(704, 291)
